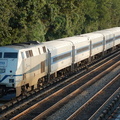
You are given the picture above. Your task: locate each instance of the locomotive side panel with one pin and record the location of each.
(32, 66)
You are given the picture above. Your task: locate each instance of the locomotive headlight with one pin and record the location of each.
(11, 76)
(11, 80)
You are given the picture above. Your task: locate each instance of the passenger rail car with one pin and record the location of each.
(26, 66)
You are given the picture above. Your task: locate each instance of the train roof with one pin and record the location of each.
(114, 30)
(18, 46)
(92, 35)
(109, 31)
(54, 44)
(68, 41)
(99, 33)
(76, 39)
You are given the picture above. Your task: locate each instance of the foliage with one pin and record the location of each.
(41, 20)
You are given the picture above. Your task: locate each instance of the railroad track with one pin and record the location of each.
(116, 114)
(67, 99)
(94, 103)
(107, 110)
(67, 109)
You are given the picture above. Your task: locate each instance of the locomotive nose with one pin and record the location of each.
(2, 90)
(3, 63)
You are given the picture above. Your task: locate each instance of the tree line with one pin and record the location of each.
(44, 20)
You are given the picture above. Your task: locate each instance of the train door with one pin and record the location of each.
(42, 66)
(23, 66)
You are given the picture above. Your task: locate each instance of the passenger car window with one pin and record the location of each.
(10, 55)
(61, 57)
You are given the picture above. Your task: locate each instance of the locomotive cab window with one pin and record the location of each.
(10, 55)
(0, 54)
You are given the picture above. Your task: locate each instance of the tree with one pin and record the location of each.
(6, 12)
(43, 20)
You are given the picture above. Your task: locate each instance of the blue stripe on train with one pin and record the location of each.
(8, 76)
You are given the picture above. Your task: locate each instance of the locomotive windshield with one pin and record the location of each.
(0, 55)
(10, 55)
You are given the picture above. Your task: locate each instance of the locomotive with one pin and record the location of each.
(31, 65)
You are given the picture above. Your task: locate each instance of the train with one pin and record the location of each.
(27, 66)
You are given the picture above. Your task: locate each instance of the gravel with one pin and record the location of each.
(69, 108)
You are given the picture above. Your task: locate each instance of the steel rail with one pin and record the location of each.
(76, 113)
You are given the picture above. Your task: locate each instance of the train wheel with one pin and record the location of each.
(2, 91)
(40, 83)
(23, 90)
